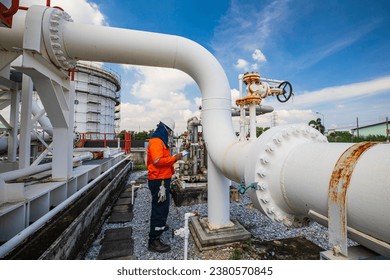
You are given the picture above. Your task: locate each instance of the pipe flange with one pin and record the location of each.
(53, 22)
(268, 159)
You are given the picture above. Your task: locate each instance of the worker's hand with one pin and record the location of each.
(178, 156)
(162, 194)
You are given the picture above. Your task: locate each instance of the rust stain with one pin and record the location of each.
(342, 173)
(98, 155)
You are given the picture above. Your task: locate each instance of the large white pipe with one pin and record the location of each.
(295, 170)
(264, 163)
(367, 194)
(115, 45)
(144, 48)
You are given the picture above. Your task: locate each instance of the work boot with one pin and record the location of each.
(156, 245)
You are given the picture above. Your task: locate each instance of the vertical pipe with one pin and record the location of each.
(242, 110)
(25, 125)
(14, 121)
(196, 149)
(218, 201)
(252, 118)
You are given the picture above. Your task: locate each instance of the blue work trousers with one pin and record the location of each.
(160, 210)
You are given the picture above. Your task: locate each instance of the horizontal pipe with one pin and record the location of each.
(367, 194)
(15, 174)
(12, 38)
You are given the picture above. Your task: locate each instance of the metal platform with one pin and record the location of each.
(45, 199)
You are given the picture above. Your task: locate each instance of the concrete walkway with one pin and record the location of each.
(118, 243)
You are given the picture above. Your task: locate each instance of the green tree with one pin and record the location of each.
(261, 130)
(340, 136)
(317, 125)
(121, 134)
(346, 137)
(142, 135)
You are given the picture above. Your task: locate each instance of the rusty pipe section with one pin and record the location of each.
(337, 195)
(297, 176)
(348, 184)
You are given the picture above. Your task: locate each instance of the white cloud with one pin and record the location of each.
(159, 92)
(331, 94)
(235, 95)
(81, 11)
(241, 64)
(198, 101)
(156, 82)
(251, 26)
(282, 117)
(258, 56)
(293, 116)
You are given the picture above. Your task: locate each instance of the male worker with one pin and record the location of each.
(160, 170)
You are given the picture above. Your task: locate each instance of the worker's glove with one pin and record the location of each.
(162, 194)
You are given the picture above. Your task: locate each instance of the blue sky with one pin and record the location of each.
(335, 53)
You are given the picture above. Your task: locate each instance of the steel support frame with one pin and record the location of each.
(56, 92)
(11, 89)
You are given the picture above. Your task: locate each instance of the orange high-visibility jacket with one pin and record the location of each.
(159, 161)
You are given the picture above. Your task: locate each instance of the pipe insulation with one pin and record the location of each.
(291, 169)
(66, 42)
(144, 48)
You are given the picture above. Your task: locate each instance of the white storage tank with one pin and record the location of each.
(97, 102)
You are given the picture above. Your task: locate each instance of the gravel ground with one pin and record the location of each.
(261, 227)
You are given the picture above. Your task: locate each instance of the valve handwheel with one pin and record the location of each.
(287, 91)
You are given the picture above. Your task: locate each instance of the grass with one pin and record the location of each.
(139, 167)
(236, 255)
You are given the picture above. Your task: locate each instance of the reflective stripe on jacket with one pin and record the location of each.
(159, 161)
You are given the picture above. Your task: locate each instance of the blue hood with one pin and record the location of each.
(162, 133)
